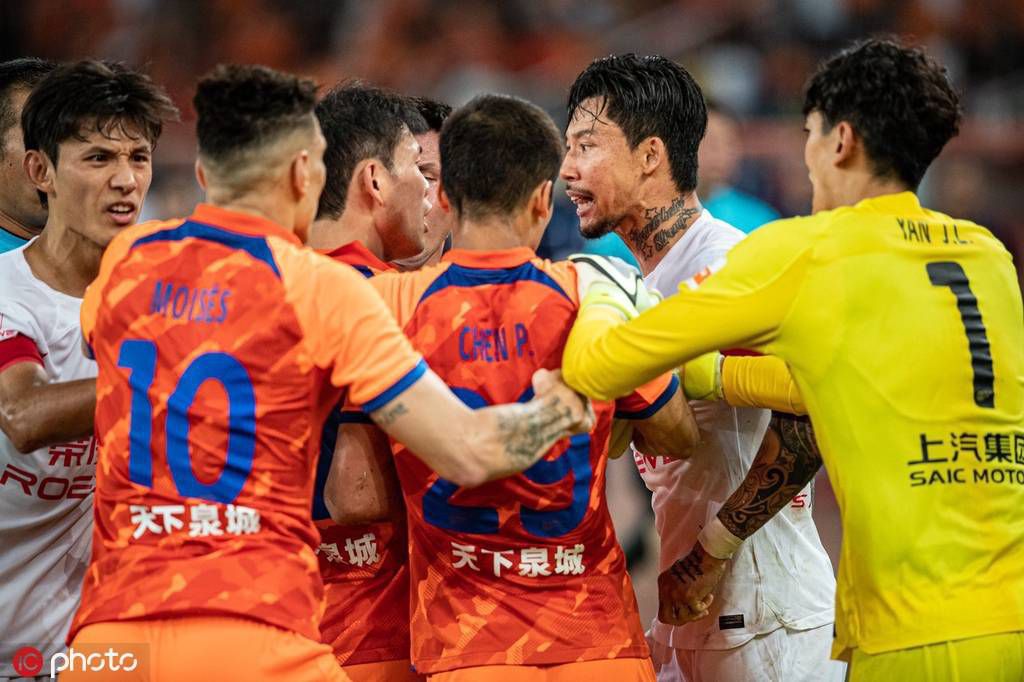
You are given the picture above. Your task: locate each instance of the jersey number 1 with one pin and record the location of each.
(140, 357)
(952, 275)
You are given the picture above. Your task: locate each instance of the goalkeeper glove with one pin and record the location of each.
(702, 377)
(613, 283)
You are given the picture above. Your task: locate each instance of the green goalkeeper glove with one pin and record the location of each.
(702, 377)
(613, 283)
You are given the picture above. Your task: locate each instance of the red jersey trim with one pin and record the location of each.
(18, 348)
(356, 254)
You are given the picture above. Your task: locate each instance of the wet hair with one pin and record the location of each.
(898, 100)
(359, 122)
(495, 151)
(648, 96)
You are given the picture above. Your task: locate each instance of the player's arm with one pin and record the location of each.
(469, 447)
(362, 485)
(742, 305)
(786, 462)
(34, 412)
(658, 419)
(743, 381)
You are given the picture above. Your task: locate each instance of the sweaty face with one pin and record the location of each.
(406, 205)
(818, 152)
(600, 170)
(18, 196)
(438, 222)
(100, 181)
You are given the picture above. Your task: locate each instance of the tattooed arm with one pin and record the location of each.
(785, 463)
(468, 447)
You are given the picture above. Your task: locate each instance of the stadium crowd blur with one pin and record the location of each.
(752, 58)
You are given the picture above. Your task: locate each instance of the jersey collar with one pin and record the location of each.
(243, 223)
(356, 253)
(901, 202)
(498, 258)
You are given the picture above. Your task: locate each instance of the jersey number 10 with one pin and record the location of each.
(952, 275)
(140, 357)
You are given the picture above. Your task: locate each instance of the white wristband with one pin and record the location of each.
(717, 540)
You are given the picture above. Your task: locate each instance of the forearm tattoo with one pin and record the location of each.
(527, 431)
(387, 416)
(688, 568)
(775, 477)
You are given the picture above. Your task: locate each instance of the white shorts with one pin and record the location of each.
(778, 656)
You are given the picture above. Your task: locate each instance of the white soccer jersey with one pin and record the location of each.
(46, 495)
(781, 576)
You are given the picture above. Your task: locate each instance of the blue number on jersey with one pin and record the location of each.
(440, 512)
(140, 357)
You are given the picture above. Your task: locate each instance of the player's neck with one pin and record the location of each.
(658, 227)
(63, 259)
(268, 207)
(855, 186)
(18, 228)
(490, 234)
(329, 234)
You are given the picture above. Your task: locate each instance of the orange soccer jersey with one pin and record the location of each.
(524, 570)
(221, 344)
(364, 567)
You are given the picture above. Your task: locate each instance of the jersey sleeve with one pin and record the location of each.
(742, 305)
(761, 381)
(348, 330)
(646, 400)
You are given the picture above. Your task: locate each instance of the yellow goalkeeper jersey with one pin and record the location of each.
(903, 329)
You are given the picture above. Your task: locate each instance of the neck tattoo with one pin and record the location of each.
(649, 239)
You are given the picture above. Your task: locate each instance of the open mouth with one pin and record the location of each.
(122, 212)
(584, 201)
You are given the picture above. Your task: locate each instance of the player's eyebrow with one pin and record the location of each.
(580, 134)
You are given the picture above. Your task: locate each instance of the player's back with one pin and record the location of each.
(906, 337)
(204, 488)
(524, 570)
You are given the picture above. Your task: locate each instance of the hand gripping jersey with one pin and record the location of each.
(524, 570)
(781, 576)
(903, 328)
(364, 567)
(222, 343)
(45, 495)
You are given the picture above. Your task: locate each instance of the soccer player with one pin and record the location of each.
(89, 130)
(373, 207)
(438, 223)
(22, 214)
(631, 167)
(903, 329)
(221, 344)
(521, 578)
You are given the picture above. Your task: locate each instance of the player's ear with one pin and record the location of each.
(442, 198)
(541, 204)
(846, 143)
(300, 175)
(200, 175)
(40, 170)
(373, 182)
(651, 153)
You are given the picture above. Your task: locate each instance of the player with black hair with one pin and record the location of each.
(89, 131)
(904, 331)
(221, 344)
(437, 226)
(374, 171)
(534, 551)
(635, 126)
(22, 215)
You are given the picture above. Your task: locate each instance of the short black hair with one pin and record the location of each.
(495, 151)
(243, 108)
(359, 121)
(649, 96)
(17, 74)
(92, 94)
(434, 114)
(899, 101)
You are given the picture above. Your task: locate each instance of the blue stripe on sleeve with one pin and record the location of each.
(399, 387)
